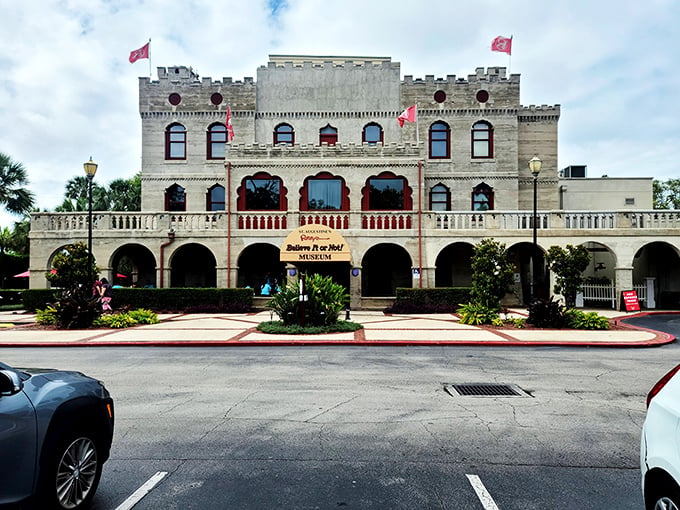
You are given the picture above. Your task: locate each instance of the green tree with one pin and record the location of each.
(492, 274)
(120, 195)
(568, 265)
(14, 197)
(125, 194)
(72, 273)
(666, 194)
(19, 242)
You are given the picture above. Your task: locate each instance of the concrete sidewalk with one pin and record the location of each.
(379, 329)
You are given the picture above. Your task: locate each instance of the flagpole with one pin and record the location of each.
(150, 75)
(417, 133)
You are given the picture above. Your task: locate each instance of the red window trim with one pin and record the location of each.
(448, 196)
(344, 204)
(366, 191)
(447, 140)
(382, 133)
(489, 140)
(209, 140)
(167, 199)
(276, 134)
(169, 143)
(241, 193)
(208, 198)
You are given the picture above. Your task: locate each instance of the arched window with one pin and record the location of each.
(175, 142)
(440, 140)
(386, 192)
(324, 192)
(482, 197)
(262, 192)
(482, 140)
(215, 198)
(217, 139)
(372, 134)
(284, 134)
(328, 135)
(175, 198)
(440, 198)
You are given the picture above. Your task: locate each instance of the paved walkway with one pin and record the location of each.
(379, 329)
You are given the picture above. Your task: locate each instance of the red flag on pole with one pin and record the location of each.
(142, 52)
(409, 114)
(230, 128)
(502, 44)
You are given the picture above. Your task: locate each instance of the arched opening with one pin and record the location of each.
(259, 263)
(133, 265)
(385, 266)
(659, 260)
(454, 266)
(193, 265)
(520, 256)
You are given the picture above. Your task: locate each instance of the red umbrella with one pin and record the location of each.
(120, 275)
(22, 275)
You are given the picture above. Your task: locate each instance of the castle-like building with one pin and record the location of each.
(322, 177)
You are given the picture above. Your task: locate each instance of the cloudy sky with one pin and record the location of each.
(68, 92)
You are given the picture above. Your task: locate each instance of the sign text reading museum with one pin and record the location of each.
(315, 243)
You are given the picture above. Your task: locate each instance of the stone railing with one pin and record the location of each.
(358, 220)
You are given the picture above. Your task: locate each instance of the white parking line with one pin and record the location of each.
(484, 497)
(137, 496)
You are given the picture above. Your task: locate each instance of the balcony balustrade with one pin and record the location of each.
(258, 221)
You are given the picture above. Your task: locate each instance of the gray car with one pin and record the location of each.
(56, 429)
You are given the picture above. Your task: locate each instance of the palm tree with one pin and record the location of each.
(13, 197)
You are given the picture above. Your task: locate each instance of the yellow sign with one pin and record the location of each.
(315, 243)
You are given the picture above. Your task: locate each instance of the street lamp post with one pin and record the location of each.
(535, 167)
(90, 170)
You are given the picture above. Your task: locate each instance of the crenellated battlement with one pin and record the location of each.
(175, 76)
(533, 113)
(324, 151)
(490, 75)
(328, 62)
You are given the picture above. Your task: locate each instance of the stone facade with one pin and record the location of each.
(459, 174)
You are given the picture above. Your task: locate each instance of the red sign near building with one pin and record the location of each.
(630, 299)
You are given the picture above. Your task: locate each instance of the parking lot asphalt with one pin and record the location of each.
(18, 329)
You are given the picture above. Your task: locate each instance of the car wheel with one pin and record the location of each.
(73, 475)
(666, 503)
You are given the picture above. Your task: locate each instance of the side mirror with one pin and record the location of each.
(10, 383)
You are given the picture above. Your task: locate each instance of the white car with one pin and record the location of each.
(660, 445)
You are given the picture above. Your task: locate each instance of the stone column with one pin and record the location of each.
(355, 287)
(651, 288)
(624, 281)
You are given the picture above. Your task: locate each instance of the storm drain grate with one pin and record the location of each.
(484, 390)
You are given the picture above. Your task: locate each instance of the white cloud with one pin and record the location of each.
(67, 91)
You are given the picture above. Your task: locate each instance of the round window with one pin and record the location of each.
(174, 99)
(440, 96)
(216, 98)
(482, 96)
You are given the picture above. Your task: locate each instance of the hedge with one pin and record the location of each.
(437, 300)
(172, 299)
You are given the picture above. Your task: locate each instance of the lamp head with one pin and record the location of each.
(90, 168)
(535, 164)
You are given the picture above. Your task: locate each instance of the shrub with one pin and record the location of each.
(547, 314)
(325, 301)
(143, 316)
(586, 320)
(568, 265)
(492, 274)
(126, 319)
(477, 314)
(46, 317)
(277, 327)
